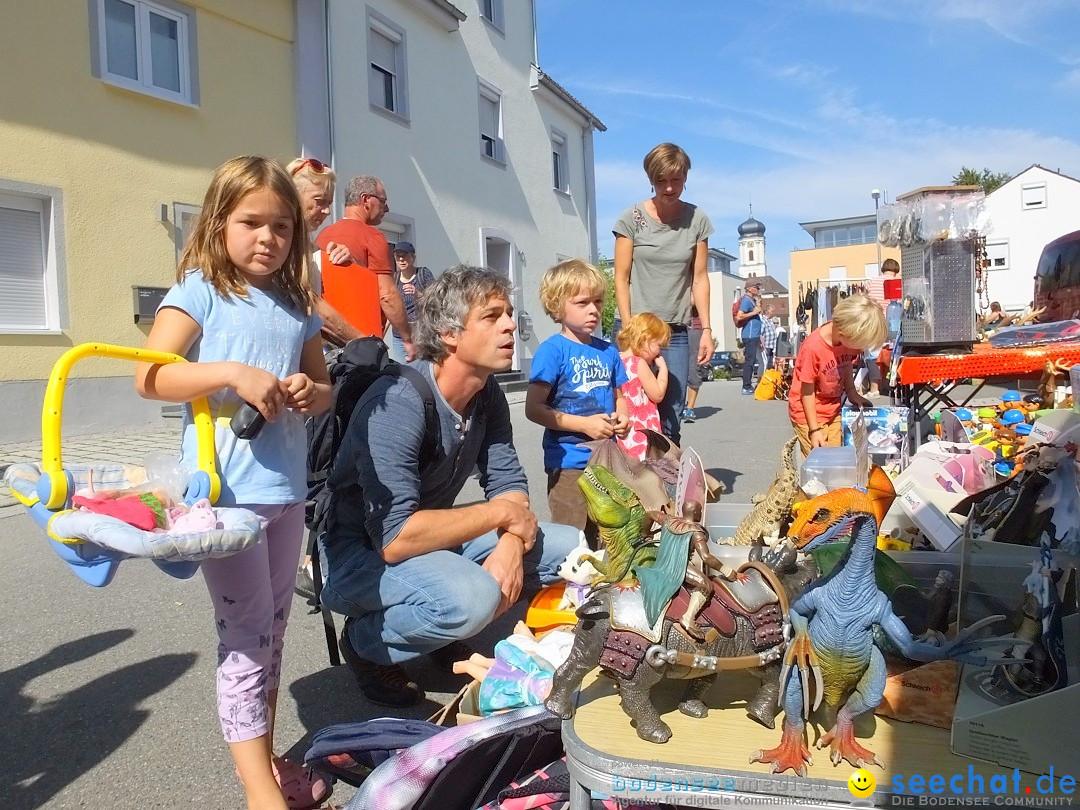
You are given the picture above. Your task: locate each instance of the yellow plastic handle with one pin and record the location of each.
(52, 413)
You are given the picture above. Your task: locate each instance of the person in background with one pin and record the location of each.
(748, 319)
(575, 385)
(694, 376)
(995, 318)
(315, 182)
(823, 371)
(661, 266)
(410, 281)
(366, 204)
(768, 336)
(243, 314)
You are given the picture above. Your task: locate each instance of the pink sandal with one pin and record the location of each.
(302, 787)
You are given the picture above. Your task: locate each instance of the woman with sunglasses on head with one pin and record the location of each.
(315, 182)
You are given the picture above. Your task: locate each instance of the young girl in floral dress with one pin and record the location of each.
(640, 341)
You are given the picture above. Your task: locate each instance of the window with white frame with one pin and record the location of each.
(28, 278)
(1033, 195)
(491, 142)
(387, 84)
(146, 46)
(997, 253)
(560, 164)
(492, 11)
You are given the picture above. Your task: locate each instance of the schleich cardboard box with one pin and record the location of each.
(1005, 713)
(1036, 734)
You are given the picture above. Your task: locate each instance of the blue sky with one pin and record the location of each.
(806, 105)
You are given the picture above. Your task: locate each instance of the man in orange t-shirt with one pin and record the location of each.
(823, 371)
(364, 292)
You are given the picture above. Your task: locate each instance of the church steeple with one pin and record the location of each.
(752, 247)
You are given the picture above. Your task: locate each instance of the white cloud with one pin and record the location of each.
(1071, 80)
(1033, 23)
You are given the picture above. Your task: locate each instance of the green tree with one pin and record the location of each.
(608, 315)
(988, 180)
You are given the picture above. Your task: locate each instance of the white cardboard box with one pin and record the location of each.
(1035, 734)
(933, 520)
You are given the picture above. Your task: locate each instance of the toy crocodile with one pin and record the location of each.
(772, 510)
(833, 647)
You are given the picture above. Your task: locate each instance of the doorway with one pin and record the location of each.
(499, 253)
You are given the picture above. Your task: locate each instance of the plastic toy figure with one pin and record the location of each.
(743, 621)
(1010, 399)
(1031, 403)
(832, 656)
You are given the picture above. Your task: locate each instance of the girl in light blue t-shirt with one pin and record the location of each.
(243, 314)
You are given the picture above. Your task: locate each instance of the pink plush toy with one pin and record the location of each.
(199, 518)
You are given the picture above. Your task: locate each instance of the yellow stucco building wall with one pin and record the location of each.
(117, 155)
(813, 264)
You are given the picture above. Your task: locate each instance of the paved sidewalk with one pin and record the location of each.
(129, 446)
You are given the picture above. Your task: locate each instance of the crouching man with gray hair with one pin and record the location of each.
(413, 573)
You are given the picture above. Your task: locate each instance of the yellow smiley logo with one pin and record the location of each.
(861, 783)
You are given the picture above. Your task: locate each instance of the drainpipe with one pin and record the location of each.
(332, 157)
(536, 49)
(590, 188)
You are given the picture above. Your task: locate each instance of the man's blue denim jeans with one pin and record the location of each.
(412, 608)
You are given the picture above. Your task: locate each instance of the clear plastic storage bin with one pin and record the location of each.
(832, 467)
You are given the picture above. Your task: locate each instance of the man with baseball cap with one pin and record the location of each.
(748, 319)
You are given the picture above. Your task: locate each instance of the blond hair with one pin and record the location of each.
(640, 330)
(860, 322)
(666, 158)
(564, 280)
(205, 251)
(301, 169)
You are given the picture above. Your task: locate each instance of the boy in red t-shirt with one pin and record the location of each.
(823, 370)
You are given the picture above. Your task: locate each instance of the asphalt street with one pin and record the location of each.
(108, 693)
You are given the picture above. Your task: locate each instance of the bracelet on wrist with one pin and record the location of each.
(812, 431)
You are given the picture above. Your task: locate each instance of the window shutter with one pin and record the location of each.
(22, 269)
(489, 117)
(383, 51)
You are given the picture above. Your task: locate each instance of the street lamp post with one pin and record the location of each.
(877, 227)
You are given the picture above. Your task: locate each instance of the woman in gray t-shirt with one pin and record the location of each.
(661, 266)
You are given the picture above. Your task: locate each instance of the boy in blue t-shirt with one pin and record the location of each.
(574, 389)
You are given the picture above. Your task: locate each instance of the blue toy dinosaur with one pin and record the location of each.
(833, 650)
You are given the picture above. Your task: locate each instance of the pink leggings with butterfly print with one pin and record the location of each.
(252, 593)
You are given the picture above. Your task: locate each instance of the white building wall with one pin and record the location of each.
(1023, 231)
(449, 197)
(724, 290)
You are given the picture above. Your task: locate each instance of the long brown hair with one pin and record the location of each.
(206, 251)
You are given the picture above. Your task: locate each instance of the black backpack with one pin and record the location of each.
(352, 369)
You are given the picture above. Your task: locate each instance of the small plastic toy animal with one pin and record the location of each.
(579, 574)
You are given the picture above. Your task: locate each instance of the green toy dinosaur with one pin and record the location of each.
(622, 521)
